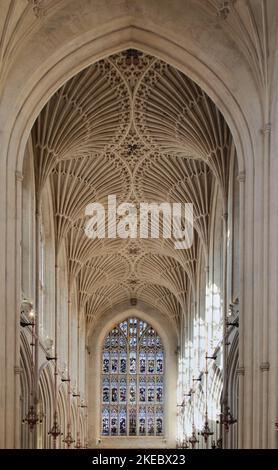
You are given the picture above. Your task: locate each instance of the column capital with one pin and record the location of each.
(240, 370)
(264, 366)
(266, 129)
(19, 176)
(241, 176)
(18, 370)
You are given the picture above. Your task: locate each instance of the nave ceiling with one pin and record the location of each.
(135, 127)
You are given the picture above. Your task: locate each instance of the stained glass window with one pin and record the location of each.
(132, 381)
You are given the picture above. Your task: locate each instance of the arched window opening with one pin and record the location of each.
(132, 381)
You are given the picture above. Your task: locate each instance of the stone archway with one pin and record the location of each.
(94, 348)
(115, 33)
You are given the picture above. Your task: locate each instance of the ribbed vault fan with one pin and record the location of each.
(135, 127)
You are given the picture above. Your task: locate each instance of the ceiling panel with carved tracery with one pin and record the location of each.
(135, 127)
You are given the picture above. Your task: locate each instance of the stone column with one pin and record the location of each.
(240, 417)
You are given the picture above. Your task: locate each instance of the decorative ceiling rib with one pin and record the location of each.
(135, 127)
(88, 116)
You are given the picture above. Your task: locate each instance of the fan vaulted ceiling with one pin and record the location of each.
(133, 126)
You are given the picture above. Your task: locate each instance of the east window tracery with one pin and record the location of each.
(132, 381)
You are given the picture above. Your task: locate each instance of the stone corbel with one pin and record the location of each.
(240, 370)
(19, 176)
(18, 370)
(264, 366)
(267, 128)
(241, 177)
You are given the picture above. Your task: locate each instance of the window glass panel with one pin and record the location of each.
(159, 421)
(122, 342)
(114, 391)
(159, 391)
(122, 417)
(142, 390)
(150, 362)
(105, 363)
(150, 391)
(122, 390)
(114, 362)
(123, 362)
(142, 421)
(132, 362)
(159, 362)
(151, 421)
(123, 327)
(114, 338)
(132, 391)
(132, 422)
(142, 362)
(105, 422)
(105, 390)
(114, 422)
